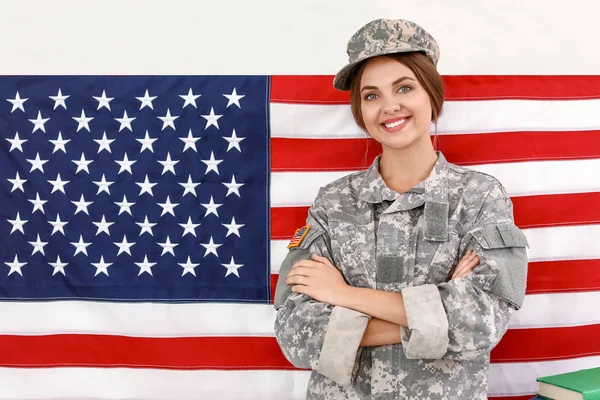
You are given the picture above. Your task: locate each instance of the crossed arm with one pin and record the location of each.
(320, 280)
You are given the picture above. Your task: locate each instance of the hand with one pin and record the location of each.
(318, 279)
(466, 264)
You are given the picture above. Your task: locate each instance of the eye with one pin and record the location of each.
(404, 89)
(370, 96)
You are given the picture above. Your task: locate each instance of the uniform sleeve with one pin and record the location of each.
(312, 334)
(464, 318)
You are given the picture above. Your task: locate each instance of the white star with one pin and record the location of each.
(211, 119)
(146, 186)
(234, 141)
(82, 205)
(190, 98)
(189, 227)
(211, 207)
(83, 122)
(58, 184)
(188, 267)
(147, 143)
(17, 183)
(16, 143)
(59, 144)
(190, 187)
(124, 246)
(125, 164)
(168, 164)
(124, 206)
(233, 187)
(103, 101)
(147, 100)
(58, 225)
(101, 267)
(125, 121)
(59, 100)
(212, 164)
(232, 268)
(211, 247)
(145, 266)
(38, 245)
(168, 247)
(38, 204)
(82, 164)
(190, 142)
(81, 246)
(17, 102)
(17, 224)
(234, 98)
(37, 163)
(146, 226)
(168, 120)
(103, 185)
(104, 143)
(58, 266)
(39, 122)
(168, 207)
(15, 266)
(233, 228)
(103, 226)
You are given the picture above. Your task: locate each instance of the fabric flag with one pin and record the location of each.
(144, 219)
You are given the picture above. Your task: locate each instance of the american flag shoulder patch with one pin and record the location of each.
(299, 235)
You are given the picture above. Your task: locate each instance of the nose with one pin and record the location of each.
(391, 105)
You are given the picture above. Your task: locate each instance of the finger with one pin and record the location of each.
(299, 271)
(297, 280)
(299, 289)
(466, 264)
(466, 269)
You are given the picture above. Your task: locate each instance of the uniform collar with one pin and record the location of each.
(433, 192)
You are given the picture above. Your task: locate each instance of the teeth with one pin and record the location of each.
(395, 124)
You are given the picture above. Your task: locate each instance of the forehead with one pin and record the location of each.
(381, 71)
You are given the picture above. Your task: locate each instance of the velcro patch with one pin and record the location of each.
(299, 235)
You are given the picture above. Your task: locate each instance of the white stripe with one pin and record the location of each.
(513, 379)
(150, 384)
(137, 319)
(505, 379)
(553, 243)
(197, 320)
(520, 179)
(475, 116)
(556, 310)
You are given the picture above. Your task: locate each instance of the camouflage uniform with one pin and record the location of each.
(407, 243)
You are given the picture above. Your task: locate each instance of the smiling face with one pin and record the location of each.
(395, 107)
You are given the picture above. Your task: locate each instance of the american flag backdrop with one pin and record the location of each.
(144, 219)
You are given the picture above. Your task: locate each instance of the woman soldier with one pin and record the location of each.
(372, 296)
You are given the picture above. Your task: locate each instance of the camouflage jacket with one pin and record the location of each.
(407, 243)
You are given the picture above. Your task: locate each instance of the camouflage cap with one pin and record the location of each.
(385, 36)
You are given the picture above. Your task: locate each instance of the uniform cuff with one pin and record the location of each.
(340, 349)
(427, 333)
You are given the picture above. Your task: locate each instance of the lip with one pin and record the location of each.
(396, 128)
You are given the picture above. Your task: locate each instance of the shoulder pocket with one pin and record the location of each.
(500, 236)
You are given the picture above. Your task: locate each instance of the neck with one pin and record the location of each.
(403, 169)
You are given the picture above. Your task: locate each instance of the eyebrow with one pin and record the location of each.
(397, 81)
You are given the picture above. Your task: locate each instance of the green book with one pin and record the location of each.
(578, 385)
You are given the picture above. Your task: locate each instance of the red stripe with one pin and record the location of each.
(548, 277)
(527, 397)
(289, 154)
(559, 209)
(249, 352)
(563, 276)
(136, 352)
(543, 344)
(319, 89)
